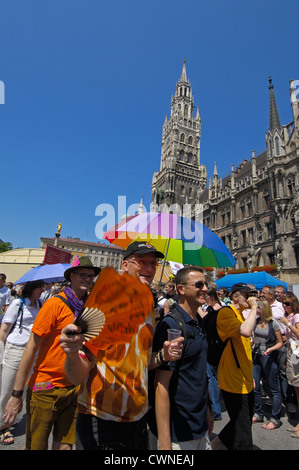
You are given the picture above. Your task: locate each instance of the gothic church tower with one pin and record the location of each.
(181, 179)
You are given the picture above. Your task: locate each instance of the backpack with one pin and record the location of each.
(151, 375)
(215, 345)
(181, 326)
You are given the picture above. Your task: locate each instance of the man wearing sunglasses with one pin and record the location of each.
(51, 397)
(183, 418)
(113, 398)
(234, 373)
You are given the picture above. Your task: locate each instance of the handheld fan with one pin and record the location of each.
(114, 309)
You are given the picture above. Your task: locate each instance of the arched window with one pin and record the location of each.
(270, 146)
(290, 185)
(190, 140)
(277, 149)
(182, 190)
(182, 139)
(181, 155)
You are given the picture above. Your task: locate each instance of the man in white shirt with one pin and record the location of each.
(4, 294)
(268, 293)
(280, 293)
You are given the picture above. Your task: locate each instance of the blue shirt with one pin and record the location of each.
(188, 388)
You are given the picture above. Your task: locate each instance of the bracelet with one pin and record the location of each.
(289, 324)
(157, 357)
(161, 358)
(17, 393)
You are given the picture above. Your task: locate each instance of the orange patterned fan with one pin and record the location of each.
(115, 308)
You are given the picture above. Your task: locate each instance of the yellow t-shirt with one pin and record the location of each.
(231, 378)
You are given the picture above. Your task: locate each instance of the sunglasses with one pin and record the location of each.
(141, 263)
(197, 285)
(287, 304)
(86, 276)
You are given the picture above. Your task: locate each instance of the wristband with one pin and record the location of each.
(17, 393)
(161, 358)
(289, 324)
(158, 361)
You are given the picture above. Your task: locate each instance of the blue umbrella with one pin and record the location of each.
(258, 279)
(47, 272)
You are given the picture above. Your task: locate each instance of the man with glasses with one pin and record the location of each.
(51, 397)
(268, 293)
(113, 398)
(280, 293)
(183, 418)
(234, 373)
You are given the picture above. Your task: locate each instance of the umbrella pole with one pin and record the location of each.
(164, 262)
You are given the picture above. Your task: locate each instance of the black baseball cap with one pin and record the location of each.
(241, 287)
(141, 248)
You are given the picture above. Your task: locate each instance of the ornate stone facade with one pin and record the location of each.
(181, 179)
(254, 210)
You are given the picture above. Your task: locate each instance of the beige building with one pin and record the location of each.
(15, 263)
(99, 254)
(255, 209)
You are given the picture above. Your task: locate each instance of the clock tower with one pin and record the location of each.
(181, 178)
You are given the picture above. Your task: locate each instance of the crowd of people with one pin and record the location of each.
(150, 393)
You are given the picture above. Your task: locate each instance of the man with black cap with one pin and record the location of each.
(51, 397)
(234, 373)
(113, 397)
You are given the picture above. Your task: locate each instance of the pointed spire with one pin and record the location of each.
(215, 173)
(197, 117)
(274, 116)
(184, 73)
(140, 208)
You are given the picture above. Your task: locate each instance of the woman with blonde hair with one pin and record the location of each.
(291, 320)
(267, 340)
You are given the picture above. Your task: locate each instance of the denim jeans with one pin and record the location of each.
(214, 391)
(268, 366)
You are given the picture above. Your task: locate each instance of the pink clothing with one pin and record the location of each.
(279, 312)
(293, 318)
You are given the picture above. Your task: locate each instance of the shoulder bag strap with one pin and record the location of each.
(65, 301)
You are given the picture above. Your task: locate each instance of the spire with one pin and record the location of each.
(140, 208)
(215, 173)
(274, 116)
(184, 73)
(197, 117)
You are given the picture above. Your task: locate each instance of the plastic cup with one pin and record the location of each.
(173, 334)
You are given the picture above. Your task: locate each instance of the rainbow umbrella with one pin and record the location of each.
(181, 239)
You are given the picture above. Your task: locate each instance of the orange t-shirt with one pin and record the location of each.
(48, 371)
(117, 386)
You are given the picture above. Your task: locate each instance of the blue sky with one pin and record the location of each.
(88, 84)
